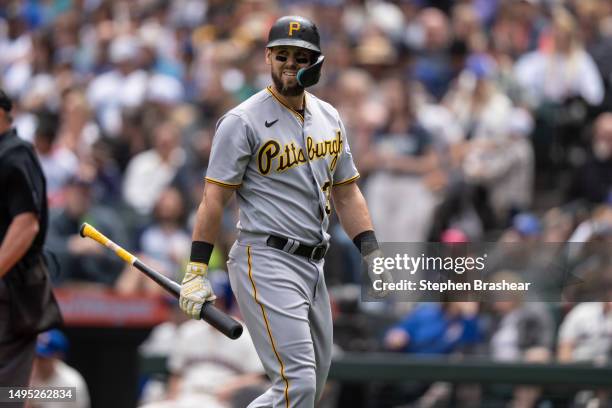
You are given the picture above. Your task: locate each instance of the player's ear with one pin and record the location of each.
(268, 56)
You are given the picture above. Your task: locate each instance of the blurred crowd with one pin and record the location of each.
(469, 121)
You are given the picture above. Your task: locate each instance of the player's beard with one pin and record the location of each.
(293, 90)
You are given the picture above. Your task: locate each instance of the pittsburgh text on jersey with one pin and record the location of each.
(273, 154)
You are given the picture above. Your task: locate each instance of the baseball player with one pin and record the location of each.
(284, 152)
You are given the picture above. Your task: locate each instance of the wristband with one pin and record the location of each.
(201, 252)
(366, 242)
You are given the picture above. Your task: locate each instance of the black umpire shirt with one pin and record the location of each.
(22, 189)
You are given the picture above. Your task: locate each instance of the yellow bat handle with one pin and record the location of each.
(89, 231)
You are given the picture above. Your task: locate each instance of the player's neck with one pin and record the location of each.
(294, 102)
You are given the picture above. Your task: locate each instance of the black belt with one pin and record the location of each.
(316, 253)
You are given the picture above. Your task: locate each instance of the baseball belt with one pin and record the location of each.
(316, 253)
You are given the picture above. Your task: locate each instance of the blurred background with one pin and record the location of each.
(469, 120)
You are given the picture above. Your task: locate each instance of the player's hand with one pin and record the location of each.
(195, 289)
(385, 276)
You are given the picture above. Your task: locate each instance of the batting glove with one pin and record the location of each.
(195, 289)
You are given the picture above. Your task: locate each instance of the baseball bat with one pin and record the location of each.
(215, 317)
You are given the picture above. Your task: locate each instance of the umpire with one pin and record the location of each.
(27, 305)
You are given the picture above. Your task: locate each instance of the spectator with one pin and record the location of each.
(165, 244)
(210, 376)
(586, 333)
(99, 166)
(59, 163)
(81, 259)
(149, 172)
(430, 329)
(436, 329)
(599, 24)
(432, 67)
(188, 178)
(593, 180)
(167, 241)
(51, 371)
(123, 87)
(522, 331)
(496, 157)
(561, 68)
(78, 130)
(15, 48)
(400, 201)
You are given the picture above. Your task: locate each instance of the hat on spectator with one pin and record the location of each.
(527, 224)
(51, 343)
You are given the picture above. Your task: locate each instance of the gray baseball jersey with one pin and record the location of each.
(283, 165)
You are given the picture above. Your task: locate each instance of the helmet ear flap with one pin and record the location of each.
(310, 75)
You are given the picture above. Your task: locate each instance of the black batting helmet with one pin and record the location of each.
(295, 31)
(300, 32)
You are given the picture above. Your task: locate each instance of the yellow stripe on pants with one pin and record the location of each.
(263, 312)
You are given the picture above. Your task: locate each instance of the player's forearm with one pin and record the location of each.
(17, 241)
(208, 222)
(352, 209)
(210, 213)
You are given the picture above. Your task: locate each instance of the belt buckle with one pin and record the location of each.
(315, 253)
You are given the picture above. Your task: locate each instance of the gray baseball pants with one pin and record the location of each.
(285, 305)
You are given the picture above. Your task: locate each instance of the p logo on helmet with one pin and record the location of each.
(293, 26)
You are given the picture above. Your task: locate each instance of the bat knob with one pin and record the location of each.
(222, 322)
(82, 229)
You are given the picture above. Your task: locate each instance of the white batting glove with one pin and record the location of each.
(195, 289)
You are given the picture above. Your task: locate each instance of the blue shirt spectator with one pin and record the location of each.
(433, 328)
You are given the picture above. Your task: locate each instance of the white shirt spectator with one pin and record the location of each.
(146, 176)
(59, 166)
(14, 65)
(64, 376)
(589, 329)
(111, 92)
(206, 361)
(546, 77)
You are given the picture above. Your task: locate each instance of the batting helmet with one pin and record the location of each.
(300, 32)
